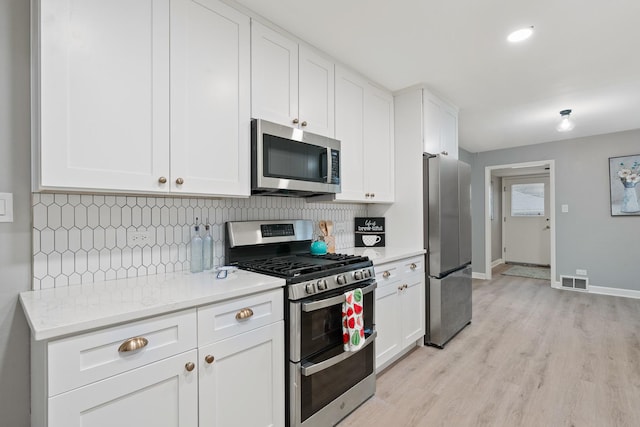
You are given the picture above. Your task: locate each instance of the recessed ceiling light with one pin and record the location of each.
(520, 35)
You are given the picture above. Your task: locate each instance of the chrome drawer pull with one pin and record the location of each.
(245, 313)
(413, 266)
(132, 344)
(386, 274)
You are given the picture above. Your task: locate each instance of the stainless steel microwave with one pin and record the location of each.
(291, 162)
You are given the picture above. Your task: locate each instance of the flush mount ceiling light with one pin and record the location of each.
(565, 124)
(520, 35)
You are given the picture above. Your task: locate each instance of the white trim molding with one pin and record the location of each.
(476, 275)
(614, 292)
(497, 262)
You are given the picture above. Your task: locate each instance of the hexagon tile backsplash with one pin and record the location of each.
(90, 238)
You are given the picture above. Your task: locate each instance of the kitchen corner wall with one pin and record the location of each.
(88, 238)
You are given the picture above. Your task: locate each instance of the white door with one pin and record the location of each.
(161, 394)
(274, 76)
(350, 99)
(388, 322)
(526, 220)
(210, 99)
(104, 94)
(243, 385)
(379, 148)
(316, 93)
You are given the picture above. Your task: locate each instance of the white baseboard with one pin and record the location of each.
(603, 290)
(497, 262)
(614, 292)
(480, 276)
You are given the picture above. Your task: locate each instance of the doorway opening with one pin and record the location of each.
(533, 215)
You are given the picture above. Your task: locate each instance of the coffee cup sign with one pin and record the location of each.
(369, 232)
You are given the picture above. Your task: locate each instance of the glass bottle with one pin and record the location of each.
(207, 249)
(196, 251)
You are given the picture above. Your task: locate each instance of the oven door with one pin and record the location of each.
(315, 324)
(326, 383)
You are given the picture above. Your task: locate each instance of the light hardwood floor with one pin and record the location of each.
(532, 356)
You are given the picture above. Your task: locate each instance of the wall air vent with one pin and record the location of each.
(574, 283)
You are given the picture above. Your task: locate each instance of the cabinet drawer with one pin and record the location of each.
(387, 273)
(223, 320)
(413, 265)
(83, 359)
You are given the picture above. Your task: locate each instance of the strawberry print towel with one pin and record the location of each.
(352, 320)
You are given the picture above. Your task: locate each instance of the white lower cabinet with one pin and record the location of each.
(218, 365)
(244, 383)
(400, 309)
(161, 394)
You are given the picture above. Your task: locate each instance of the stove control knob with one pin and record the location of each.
(357, 275)
(321, 285)
(310, 289)
(341, 280)
(367, 274)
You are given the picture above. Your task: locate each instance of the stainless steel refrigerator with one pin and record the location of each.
(447, 229)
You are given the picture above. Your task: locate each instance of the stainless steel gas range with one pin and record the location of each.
(324, 382)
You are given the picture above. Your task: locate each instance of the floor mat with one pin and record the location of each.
(528, 271)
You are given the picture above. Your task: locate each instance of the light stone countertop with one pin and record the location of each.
(56, 312)
(381, 255)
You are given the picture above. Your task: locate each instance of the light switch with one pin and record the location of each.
(565, 208)
(6, 207)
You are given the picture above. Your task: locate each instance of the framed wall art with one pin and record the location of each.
(624, 176)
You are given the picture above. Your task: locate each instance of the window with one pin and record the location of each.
(527, 199)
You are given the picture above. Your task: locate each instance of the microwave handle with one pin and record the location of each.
(338, 299)
(329, 166)
(312, 368)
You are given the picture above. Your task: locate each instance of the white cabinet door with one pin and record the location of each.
(210, 99)
(388, 323)
(316, 93)
(413, 306)
(450, 131)
(440, 126)
(291, 85)
(274, 76)
(350, 100)
(162, 394)
(244, 383)
(103, 95)
(379, 149)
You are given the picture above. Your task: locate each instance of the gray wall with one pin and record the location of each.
(15, 238)
(587, 237)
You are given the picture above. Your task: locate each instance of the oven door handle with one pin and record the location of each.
(338, 299)
(313, 368)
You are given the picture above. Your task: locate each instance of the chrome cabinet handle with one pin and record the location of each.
(413, 266)
(133, 344)
(445, 153)
(162, 180)
(190, 366)
(179, 181)
(303, 124)
(386, 274)
(295, 121)
(245, 313)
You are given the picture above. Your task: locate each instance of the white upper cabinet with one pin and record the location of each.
(163, 100)
(291, 84)
(102, 95)
(210, 98)
(440, 126)
(379, 148)
(364, 125)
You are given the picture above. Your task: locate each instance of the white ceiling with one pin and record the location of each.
(584, 55)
